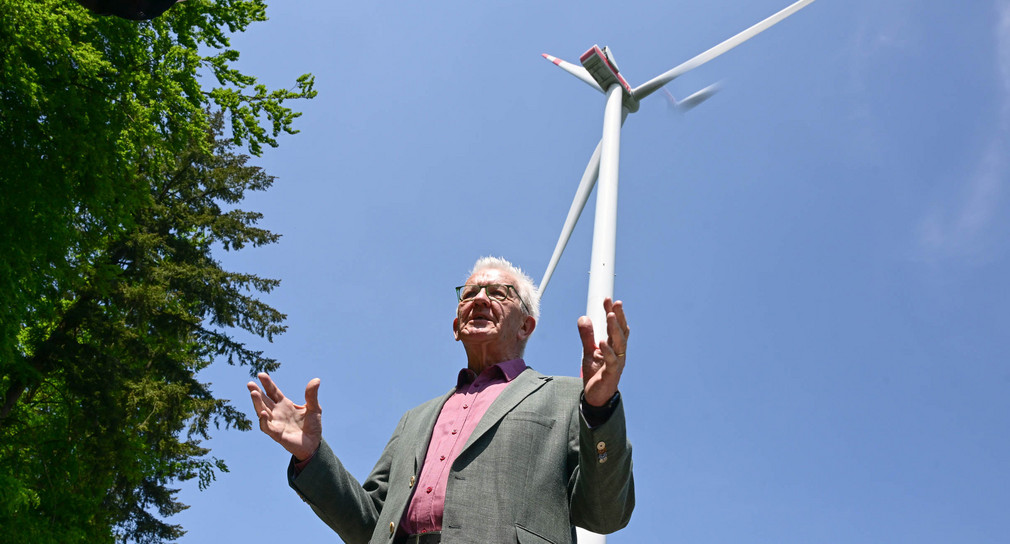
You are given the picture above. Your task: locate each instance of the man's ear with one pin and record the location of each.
(455, 329)
(529, 323)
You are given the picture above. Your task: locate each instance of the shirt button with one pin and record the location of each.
(454, 431)
(442, 458)
(465, 406)
(428, 490)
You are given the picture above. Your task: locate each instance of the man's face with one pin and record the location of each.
(486, 320)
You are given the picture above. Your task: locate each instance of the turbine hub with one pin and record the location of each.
(602, 67)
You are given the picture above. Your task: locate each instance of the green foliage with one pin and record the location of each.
(116, 184)
(113, 411)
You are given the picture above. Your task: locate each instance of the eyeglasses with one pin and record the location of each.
(497, 291)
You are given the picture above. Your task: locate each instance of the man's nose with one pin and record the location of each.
(482, 297)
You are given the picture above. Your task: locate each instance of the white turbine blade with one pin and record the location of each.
(578, 203)
(575, 70)
(698, 97)
(670, 99)
(655, 83)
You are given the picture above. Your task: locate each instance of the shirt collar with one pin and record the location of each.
(506, 369)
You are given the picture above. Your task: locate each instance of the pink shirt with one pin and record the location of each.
(456, 422)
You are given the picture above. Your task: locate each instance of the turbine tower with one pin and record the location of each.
(599, 70)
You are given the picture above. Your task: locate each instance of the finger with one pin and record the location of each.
(266, 402)
(615, 334)
(270, 388)
(622, 320)
(263, 415)
(257, 398)
(312, 396)
(264, 418)
(617, 308)
(611, 370)
(617, 328)
(610, 355)
(588, 341)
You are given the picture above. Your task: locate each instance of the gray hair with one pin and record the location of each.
(524, 284)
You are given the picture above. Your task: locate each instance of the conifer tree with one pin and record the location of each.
(118, 175)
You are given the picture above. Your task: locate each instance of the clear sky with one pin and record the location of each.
(810, 261)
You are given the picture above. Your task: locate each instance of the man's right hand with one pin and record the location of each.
(298, 428)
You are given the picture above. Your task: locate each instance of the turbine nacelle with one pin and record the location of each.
(603, 69)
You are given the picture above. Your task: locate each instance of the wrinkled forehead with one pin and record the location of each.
(490, 275)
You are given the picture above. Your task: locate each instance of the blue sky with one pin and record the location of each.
(811, 261)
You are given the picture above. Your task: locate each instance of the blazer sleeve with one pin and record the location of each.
(349, 508)
(602, 488)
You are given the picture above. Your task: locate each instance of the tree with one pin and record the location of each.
(113, 173)
(118, 411)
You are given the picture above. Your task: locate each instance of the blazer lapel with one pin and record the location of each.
(426, 424)
(523, 386)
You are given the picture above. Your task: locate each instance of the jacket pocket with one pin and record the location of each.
(525, 536)
(532, 417)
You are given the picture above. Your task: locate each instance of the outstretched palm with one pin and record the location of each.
(296, 427)
(602, 365)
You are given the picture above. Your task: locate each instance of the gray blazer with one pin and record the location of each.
(530, 472)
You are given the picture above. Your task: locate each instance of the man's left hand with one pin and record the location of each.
(602, 365)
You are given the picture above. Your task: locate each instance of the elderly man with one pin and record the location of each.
(507, 455)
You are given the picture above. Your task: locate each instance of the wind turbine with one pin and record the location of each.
(599, 71)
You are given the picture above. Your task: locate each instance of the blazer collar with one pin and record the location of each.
(518, 389)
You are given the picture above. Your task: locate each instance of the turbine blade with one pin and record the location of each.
(699, 97)
(578, 203)
(670, 99)
(655, 83)
(575, 70)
